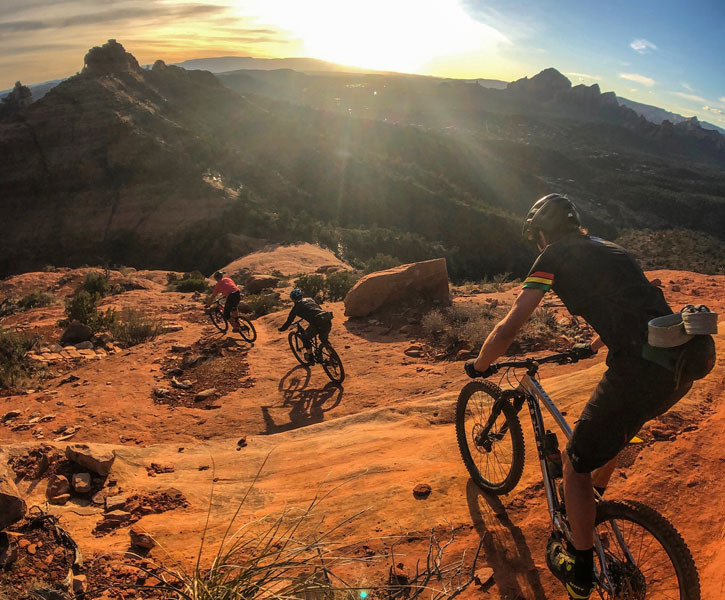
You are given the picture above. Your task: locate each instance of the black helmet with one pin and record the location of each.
(549, 214)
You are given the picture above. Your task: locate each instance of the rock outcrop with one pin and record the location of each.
(109, 58)
(12, 506)
(407, 283)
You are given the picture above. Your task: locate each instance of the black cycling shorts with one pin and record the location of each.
(631, 392)
(231, 303)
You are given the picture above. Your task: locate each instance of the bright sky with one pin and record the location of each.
(667, 53)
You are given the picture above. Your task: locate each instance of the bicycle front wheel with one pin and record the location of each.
(298, 347)
(495, 460)
(217, 317)
(645, 557)
(246, 329)
(332, 364)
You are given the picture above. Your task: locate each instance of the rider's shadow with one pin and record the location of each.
(307, 405)
(498, 531)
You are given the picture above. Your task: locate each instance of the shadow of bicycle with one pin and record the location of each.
(306, 405)
(504, 545)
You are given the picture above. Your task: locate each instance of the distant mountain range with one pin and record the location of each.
(173, 168)
(659, 115)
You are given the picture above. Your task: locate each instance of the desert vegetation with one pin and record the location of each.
(193, 281)
(131, 326)
(15, 367)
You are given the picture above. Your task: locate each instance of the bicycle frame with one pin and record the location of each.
(535, 394)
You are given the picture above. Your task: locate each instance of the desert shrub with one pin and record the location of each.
(460, 325)
(132, 327)
(380, 262)
(337, 285)
(35, 299)
(262, 304)
(193, 281)
(83, 307)
(50, 269)
(14, 365)
(97, 283)
(542, 327)
(311, 284)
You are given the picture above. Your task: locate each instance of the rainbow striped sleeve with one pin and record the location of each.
(539, 280)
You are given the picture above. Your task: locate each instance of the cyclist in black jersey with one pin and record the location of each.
(320, 320)
(602, 283)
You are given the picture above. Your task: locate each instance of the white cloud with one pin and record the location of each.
(638, 78)
(642, 46)
(581, 76)
(690, 97)
(722, 99)
(687, 86)
(712, 109)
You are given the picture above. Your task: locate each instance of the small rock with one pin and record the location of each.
(414, 351)
(10, 415)
(114, 503)
(57, 485)
(31, 549)
(422, 490)
(140, 538)
(693, 481)
(180, 348)
(464, 354)
(675, 288)
(87, 345)
(205, 395)
(161, 392)
(656, 282)
(70, 378)
(93, 458)
(60, 499)
(175, 372)
(483, 575)
(182, 385)
(80, 585)
(82, 482)
(117, 516)
(241, 443)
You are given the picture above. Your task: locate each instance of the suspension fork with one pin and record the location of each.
(516, 399)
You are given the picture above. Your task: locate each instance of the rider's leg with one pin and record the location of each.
(601, 476)
(580, 507)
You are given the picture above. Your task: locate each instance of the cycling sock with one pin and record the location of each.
(600, 489)
(583, 564)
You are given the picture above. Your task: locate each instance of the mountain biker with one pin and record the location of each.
(601, 282)
(227, 288)
(307, 309)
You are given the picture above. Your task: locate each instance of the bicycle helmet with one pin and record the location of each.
(218, 275)
(296, 294)
(550, 214)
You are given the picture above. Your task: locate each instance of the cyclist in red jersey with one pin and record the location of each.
(227, 288)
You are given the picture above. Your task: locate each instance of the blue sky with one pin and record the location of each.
(665, 53)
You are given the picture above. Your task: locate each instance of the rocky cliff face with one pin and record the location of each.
(114, 156)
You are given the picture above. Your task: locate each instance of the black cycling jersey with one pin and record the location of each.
(308, 310)
(602, 283)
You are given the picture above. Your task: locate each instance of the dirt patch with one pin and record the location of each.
(129, 578)
(139, 505)
(36, 463)
(212, 363)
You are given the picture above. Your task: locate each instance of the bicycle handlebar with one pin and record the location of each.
(532, 364)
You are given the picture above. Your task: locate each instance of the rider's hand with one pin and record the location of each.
(472, 372)
(583, 351)
(280, 328)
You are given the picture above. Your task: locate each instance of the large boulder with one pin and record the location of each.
(407, 283)
(256, 283)
(12, 506)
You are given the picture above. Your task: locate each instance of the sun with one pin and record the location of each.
(395, 35)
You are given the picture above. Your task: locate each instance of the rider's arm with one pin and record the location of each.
(504, 333)
(210, 299)
(290, 318)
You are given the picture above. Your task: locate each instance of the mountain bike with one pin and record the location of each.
(639, 555)
(245, 326)
(319, 353)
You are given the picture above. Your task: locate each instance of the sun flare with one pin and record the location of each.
(397, 35)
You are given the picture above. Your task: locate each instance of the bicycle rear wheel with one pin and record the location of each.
(217, 318)
(298, 348)
(332, 363)
(246, 329)
(495, 460)
(646, 558)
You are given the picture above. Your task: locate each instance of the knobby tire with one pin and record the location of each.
(250, 333)
(667, 571)
(477, 398)
(332, 364)
(217, 318)
(298, 348)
